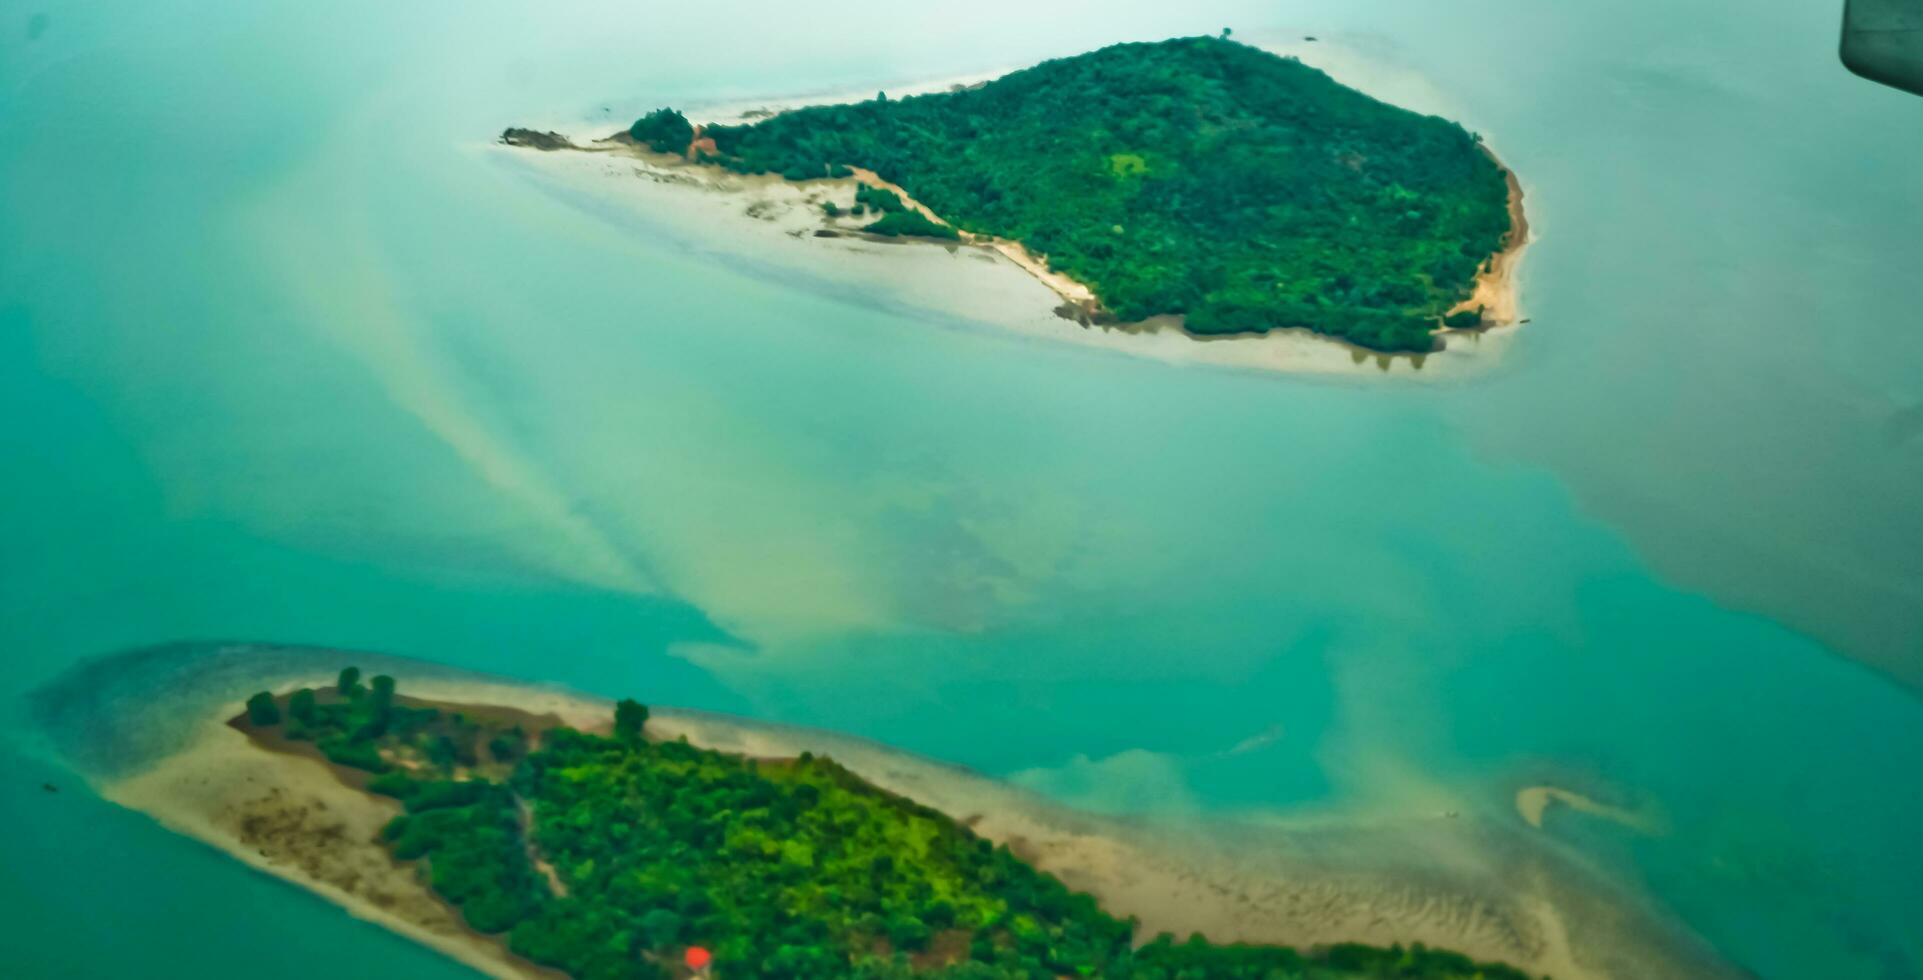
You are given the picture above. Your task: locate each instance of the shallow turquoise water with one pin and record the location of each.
(287, 354)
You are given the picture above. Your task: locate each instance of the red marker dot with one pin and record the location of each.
(697, 958)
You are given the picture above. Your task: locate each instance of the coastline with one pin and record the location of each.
(1255, 882)
(1496, 287)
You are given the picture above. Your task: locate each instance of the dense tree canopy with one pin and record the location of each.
(1196, 176)
(606, 858)
(663, 130)
(263, 710)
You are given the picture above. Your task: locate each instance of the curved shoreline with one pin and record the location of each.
(1448, 884)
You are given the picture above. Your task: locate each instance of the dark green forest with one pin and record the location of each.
(607, 856)
(1196, 176)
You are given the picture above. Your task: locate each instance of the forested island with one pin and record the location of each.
(1197, 178)
(612, 856)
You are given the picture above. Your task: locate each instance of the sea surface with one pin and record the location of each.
(289, 353)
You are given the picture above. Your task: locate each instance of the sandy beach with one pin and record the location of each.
(1073, 315)
(293, 817)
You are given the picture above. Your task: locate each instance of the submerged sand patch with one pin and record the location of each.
(1532, 802)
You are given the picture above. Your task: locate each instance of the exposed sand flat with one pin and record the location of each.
(1449, 883)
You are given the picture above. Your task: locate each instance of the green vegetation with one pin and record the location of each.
(897, 218)
(606, 857)
(262, 709)
(630, 717)
(1196, 176)
(878, 199)
(911, 223)
(360, 725)
(664, 131)
(471, 833)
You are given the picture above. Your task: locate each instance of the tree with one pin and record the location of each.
(662, 926)
(505, 746)
(442, 752)
(301, 705)
(350, 682)
(907, 932)
(383, 698)
(630, 717)
(664, 131)
(262, 711)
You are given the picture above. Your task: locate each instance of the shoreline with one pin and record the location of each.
(1495, 288)
(1253, 882)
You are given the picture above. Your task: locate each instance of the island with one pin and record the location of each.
(620, 855)
(523, 800)
(1196, 182)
